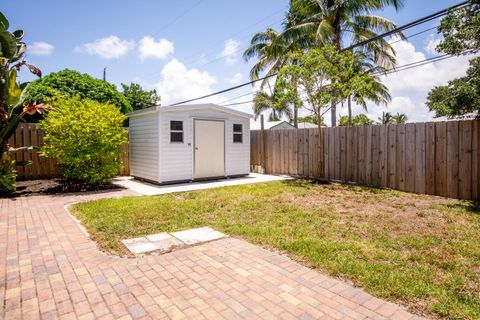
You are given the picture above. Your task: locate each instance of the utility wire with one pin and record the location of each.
(407, 66)
(375, 73)
(188, 58)
(408, 25)
(363, 43)
(169, 24)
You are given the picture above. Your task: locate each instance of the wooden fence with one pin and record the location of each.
(28, 134)
(438, 158)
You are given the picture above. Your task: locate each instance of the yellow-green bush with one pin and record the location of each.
(85, 137)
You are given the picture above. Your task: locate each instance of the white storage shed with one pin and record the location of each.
(189, 142)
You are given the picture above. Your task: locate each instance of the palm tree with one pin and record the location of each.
(342, 23)
(400, 118)
(386, 118)
(376, 91)
(271, 49)
(262, 101)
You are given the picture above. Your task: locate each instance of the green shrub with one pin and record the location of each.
(85, 137)
(7, 174)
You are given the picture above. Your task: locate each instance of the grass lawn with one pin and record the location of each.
(419, 250)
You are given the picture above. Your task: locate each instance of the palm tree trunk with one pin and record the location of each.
(349, 110)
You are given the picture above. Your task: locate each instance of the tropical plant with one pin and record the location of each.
(69, 83)
(358, 120)
(313, 23)
(138, 97)
(309, 119)
(321, 75)
(386, 118)
(263, 101)
(8, 174)
(12, 51)
(85, 137)
(372, 89)
(271, 49)
(400, 118)
(460, 30)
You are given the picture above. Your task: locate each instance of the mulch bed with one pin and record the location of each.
(55, 186)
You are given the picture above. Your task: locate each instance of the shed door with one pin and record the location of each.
(209, 149)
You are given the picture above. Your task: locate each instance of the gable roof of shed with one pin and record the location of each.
(190, 107)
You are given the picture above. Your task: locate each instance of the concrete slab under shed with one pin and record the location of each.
(150, 189)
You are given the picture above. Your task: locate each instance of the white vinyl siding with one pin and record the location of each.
(237, 155)
(144, 158)
(174, 160)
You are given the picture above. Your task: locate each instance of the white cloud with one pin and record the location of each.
(235, 79)
(179, 83)
(111, 47)
(149, 48)
(432, 43)
(41, 48)
(230, 51)
(409, 88)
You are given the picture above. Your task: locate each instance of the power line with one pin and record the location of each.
(414, 35)
(181, 15)
(240, 96)
(407, 66)
(391, 70)
(216, 44)
(407, 37)
(408, 25)
(363, 43)
(426, 61)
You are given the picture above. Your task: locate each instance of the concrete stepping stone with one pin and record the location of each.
(164, 241)
(198, 235)
(140, 245)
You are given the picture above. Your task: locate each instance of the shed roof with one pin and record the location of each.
(268, 125)
(189, 107)
(306, 125)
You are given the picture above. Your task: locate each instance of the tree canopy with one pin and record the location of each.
(358, 120)
(69, 83)
(138, 97)
(461, 33)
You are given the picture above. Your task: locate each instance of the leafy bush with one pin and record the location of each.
(138, 97)
(69, 84)
(86, 138)
(8, 174)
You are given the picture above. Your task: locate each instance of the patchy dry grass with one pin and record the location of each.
(419, 250)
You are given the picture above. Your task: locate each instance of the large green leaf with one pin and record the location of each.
(8, 129)
(21, 49)
(8, 45)
(18, 34)
(3, 22)
(13, 91)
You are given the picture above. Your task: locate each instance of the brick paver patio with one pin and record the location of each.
(49, 269)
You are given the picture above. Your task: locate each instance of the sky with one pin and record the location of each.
(189, 48)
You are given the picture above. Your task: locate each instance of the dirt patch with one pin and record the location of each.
(55, 186)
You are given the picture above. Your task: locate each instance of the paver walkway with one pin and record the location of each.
(49, 269)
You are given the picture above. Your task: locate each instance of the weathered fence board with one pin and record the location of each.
(28, 134)
(439, 158)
